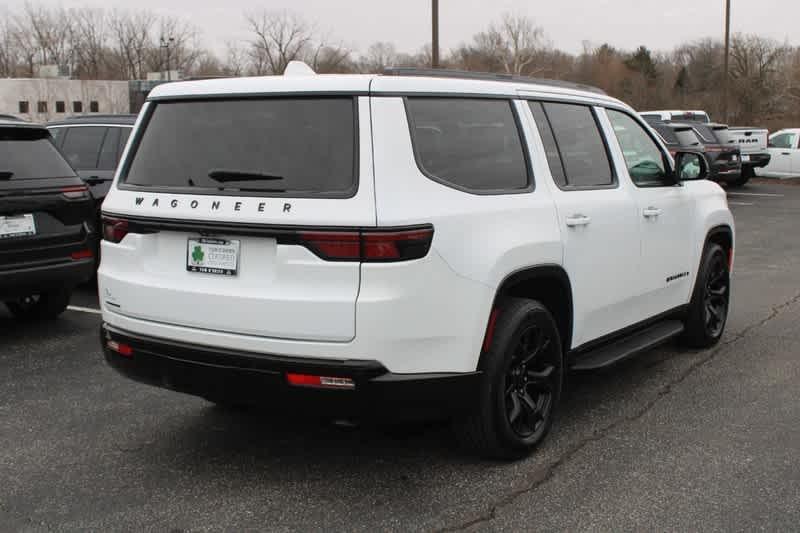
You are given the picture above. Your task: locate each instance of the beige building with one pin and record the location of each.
(46, 99)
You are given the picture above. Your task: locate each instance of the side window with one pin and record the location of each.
(645, 160)
(124, 133)
(82, 146)
(58, 136)
(784, 140)
(108, 153)
(583, 151)
(468, 143)
(549, 141)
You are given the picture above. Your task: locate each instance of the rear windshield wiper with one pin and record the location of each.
(6, 174)
(224, 175)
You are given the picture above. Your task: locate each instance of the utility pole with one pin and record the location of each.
(165, 44)
(435, 39)
(725, 81)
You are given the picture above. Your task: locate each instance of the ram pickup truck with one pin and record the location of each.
(753, 144)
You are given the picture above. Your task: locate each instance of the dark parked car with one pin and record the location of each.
(724, 158)
(93, 146)
(47, 224)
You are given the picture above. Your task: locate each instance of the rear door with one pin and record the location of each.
(598, 220)
(220, 193)
(93, 152)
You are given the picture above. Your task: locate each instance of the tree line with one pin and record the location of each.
(86, 43)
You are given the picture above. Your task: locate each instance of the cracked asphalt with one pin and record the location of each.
(673, 440)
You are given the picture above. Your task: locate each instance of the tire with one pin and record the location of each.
(708, 309)
(45, 306)
(518, 398)
(747, 173)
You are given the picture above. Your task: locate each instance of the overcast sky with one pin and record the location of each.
(659, 24)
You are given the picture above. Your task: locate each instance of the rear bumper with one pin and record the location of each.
(757, 160)
(258, 379)
(34, 278)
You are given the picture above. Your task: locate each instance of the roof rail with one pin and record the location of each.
(487, 76)
(101, 116)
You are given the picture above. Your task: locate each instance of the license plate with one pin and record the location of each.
(213, 256)
(745, 159)
(17, 226)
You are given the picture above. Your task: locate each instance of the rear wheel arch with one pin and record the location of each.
(547, 284)
(722, 235)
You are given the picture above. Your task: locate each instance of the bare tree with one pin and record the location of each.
(379, 56)
(90, 42)
(278, 39)
(131, 33)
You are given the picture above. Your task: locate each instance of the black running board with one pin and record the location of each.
(634, 344)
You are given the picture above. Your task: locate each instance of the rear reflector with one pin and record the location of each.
(388, 245)
(121, 348)
(320, 382)
(82, 254)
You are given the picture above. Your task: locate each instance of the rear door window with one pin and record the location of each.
(27, 153)
(108, 152)
(82, 146)
(269, 146)
(468, 143)
(581, 145)
(688, 138)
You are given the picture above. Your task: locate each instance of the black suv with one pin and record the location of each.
(47, 235)
(724, 159)
(93, 146)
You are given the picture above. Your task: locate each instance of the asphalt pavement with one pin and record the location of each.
(671, 440)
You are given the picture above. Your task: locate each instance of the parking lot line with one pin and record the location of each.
(85, 309)
(755, 194)
(741, 203)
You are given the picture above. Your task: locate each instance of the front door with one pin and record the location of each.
(665, 213)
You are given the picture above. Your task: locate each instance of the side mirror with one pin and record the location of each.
(690, 166)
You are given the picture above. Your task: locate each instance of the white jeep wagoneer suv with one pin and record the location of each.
(420, 244)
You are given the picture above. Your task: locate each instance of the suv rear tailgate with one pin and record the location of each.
(279, 289)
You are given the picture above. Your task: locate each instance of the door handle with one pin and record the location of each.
(786, 153)
(578, 220)
(651, 212)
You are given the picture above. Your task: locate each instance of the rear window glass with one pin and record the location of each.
(30, 154)
(668, 134)
(472, 144)
(280, 146)
(687, 137)
(706, 134)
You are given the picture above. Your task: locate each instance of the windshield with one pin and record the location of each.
(291, 146)
(28, 153)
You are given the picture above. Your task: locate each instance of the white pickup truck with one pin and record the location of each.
(753, 144)
(751, 141)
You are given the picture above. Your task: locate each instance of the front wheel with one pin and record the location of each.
(708, 310)
(45, 306)
(522, 382)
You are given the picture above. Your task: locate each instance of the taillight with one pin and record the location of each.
(75, 192)
(333, 245)
(375, 246)
(714, 149)
(114, 230)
